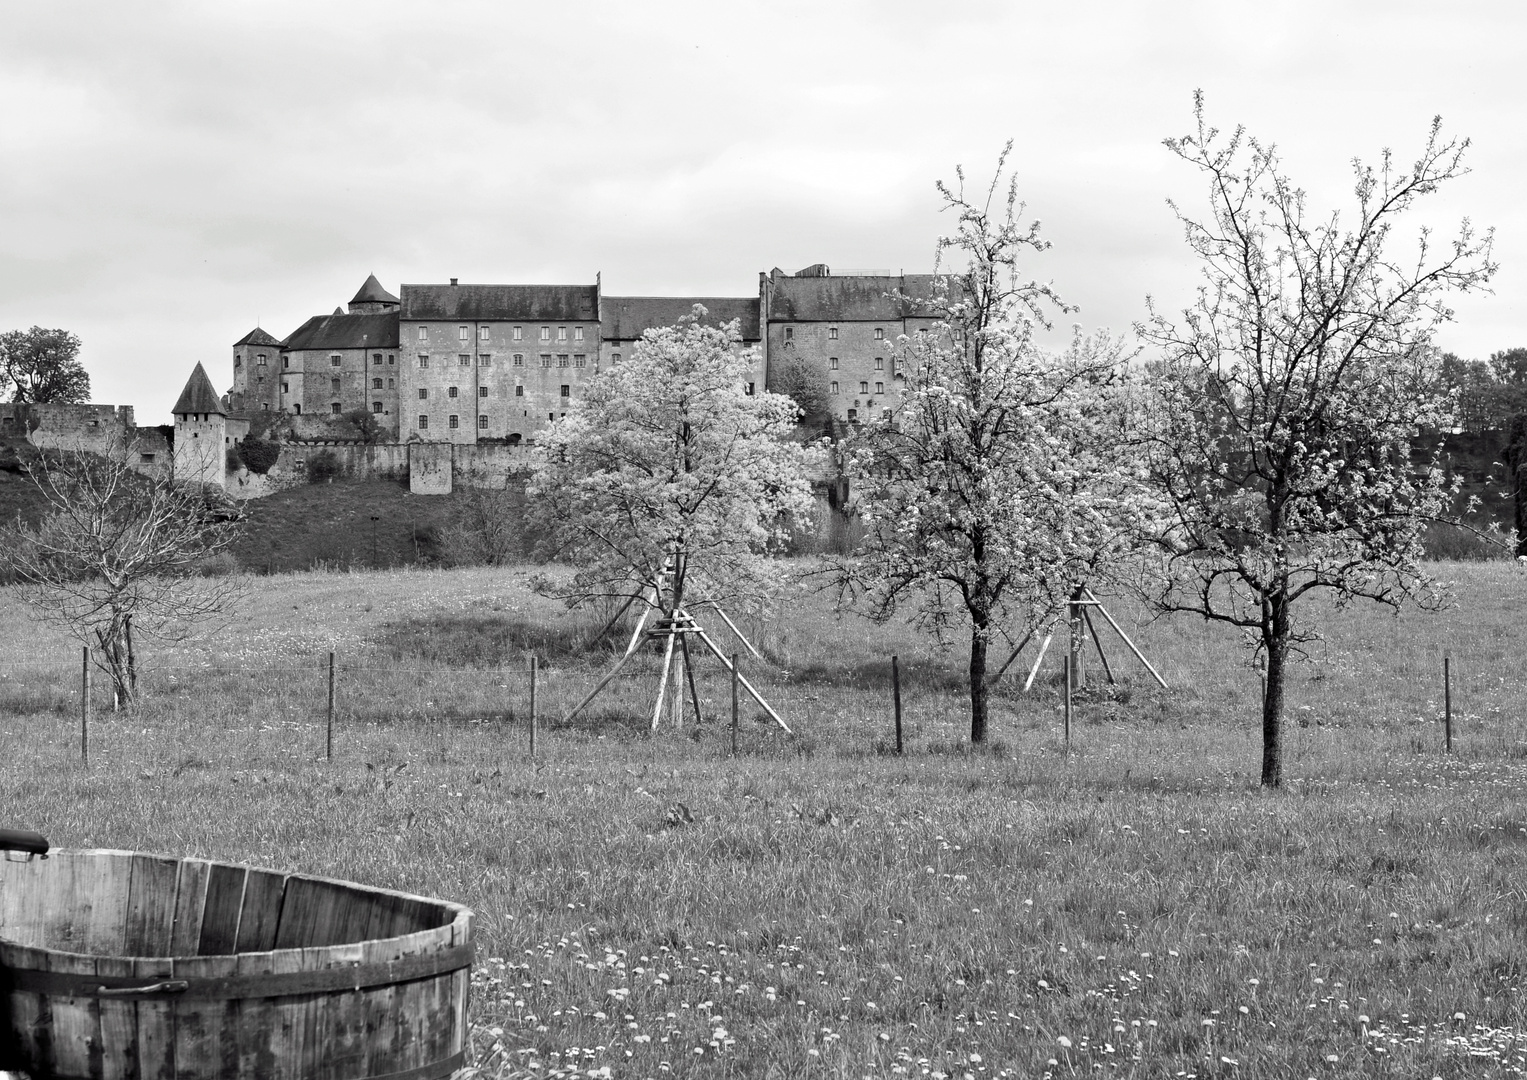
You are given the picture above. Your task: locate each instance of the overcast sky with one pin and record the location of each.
(176, 173)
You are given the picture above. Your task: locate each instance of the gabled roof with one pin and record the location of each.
(626, 317)
(256, 337)
(342, 331)
(198, 396)
(850, 298)
(501, 303)
(373, 293)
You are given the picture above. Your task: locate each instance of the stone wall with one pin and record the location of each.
(96, 428)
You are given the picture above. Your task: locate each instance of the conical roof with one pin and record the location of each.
(373, 293)
(256, 337)
(198, 396)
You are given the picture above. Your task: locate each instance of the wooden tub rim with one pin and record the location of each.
(26, 968)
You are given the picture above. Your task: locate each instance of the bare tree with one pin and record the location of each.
(1289, 394)
(117, 556)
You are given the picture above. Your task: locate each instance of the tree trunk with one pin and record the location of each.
(1516, 461)
(1275, 637)
(978, 678)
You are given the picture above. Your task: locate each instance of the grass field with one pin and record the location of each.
(651, 905)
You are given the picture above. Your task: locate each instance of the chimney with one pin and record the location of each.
(453, 281)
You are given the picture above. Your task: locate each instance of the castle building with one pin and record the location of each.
(462, 363)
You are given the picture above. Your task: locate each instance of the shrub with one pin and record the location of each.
(258, 455)
(324, 465)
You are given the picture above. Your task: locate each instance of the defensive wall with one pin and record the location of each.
(428, 468)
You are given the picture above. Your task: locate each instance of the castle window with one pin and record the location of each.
(423, 333)
(750, 389)
(286, 362)
(376, 384)
(297, 408)
(834, 388)
(832, 363)
(546, 359)
(237, 363)
(336, 360)
(392, 384)
(545, 333)
(577, 333)
(333, 384)
(423, 422)
(853, 414)
(482, 391)
(482, 423)
(519, 390)
(832, 333)
(561, 333)
(879, 334)
(259, 378)
(334, 408)
(551, 416)
(260, 360)
(376, 407)
(390, 359)
(462, 333)
(879, 363)
(423, 393)
(485, 360)
(265, 406)
(454, 422)
(615, 358)
(579, 360)
(376, 359)
(864, 388)
(284, 388)
(482, 333)
(880, 388)
(789, 333)
(518, 333)
(465, 359)
(451, 392)
(424, 360)
(519, 359)
(567, 391)
(146, 459)
(562, 359)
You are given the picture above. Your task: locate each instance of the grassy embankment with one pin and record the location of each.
(818, 907)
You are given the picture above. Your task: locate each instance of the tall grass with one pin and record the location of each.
(817, 906)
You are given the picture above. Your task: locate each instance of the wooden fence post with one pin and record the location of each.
(328, 735)
(1066, 722)
(1447, 703)
(85, 705)
(734, 704)
(532, 706)
(896, 694)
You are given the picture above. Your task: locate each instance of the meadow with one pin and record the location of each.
(651, 904)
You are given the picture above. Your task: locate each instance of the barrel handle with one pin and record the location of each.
(171, 986)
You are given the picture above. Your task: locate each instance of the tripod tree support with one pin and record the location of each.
(1081, 600)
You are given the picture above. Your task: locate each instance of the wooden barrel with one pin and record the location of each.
(116, 965)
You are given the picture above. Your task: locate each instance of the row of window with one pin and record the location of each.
(832, 333)
(486, 360)
(517, 333)
(832, 363)
(864, 388)
(454, 422)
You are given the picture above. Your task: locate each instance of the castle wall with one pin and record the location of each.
(429, 468)
(96, 428)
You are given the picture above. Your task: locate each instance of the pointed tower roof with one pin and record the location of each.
(198, 396)
(373, 293)
(256, 337)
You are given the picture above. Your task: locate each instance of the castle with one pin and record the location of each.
(457, 379)
(467, 363)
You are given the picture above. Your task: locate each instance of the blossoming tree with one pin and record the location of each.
(1002, 482)
(670, 482)
(1288, 397)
